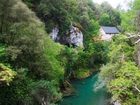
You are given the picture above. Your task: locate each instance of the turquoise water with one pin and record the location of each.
(85, 94)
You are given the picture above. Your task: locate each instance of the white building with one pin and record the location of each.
(107, 32)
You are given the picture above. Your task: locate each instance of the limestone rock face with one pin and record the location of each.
(54, 34)
(74, 37)
(117, 103)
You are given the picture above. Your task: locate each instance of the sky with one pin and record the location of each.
(115, 3)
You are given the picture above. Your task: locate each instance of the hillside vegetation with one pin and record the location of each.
(35, 70)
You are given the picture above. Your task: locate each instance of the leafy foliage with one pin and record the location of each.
(64, 13)
(121, 73)
(127, 19)
(40, 64)
(136, 10)
(27, 46)
(6, 74)
(104, 19)
(108, 15)
(132, 17)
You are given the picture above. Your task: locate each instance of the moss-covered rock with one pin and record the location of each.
(82, 73)
(67, 89)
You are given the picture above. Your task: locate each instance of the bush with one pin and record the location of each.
(121, 74)
(6, 74)
(82, 73)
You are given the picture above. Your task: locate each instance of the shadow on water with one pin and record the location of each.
(86, 94)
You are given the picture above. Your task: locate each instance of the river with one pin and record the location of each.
(86, 94)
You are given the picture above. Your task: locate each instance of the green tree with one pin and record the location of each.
(132, 16)
(127, 19)
(136, 10)
(105, 20)
(64, 13)
(112, 15)
(121, 74)
(32, 54)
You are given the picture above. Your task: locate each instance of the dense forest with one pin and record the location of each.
(36, 70)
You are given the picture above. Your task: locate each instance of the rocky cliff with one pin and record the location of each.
(73, 37)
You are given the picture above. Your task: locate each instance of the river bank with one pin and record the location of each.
(85, 93)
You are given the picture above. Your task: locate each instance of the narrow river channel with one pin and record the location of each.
(86, 94)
